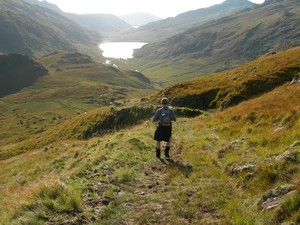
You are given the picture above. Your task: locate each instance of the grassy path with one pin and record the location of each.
(116, 179)
(130, 186)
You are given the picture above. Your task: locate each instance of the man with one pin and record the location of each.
(163, 132)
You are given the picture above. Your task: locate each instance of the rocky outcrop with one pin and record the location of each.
(273, 198)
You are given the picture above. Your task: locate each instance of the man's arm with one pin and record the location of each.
(156, 116)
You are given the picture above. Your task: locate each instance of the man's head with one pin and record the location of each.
(164, 101)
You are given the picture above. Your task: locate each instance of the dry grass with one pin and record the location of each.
(242, 83)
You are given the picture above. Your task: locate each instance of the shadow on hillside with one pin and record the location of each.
(186, 170)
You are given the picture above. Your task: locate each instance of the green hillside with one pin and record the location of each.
(239, 165)
(74, 85)
(163, 29)
(224, 43)
(230, 87)
(226, 168)
(35, 31)
(17, 72)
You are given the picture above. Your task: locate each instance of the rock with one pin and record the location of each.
(295, 80)
(295, 144)
(288, 223)
(248, 168)
(231, 146)
(287, 156)
(236, 142)
(279, 129)
(274, 202)
(273, 198)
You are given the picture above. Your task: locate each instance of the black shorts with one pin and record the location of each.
(163, 133)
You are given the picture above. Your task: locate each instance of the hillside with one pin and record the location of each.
(224, 43)
(46, 4)
(35, 31)
(18, 72)
(237, 166)
(163, 29)
(231, 87)
(96, 22)
(100, 22)
(74, 85)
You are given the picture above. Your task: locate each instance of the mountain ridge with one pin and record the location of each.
(225, 43)
(168, 27)
(96, 22)
(35, 31)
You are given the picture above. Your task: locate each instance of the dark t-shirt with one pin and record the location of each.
(164, 110)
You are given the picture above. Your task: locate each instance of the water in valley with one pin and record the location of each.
(120, 50)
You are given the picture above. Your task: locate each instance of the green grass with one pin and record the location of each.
(228, 88)
(68, 90)
(119, 179)
(100, 167)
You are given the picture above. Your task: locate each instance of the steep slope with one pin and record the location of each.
(233, 86)
(35, 31)
(274, 28)
(17, 72)
(166, 28)
(225, 43)
(46, 4)
(74, 85)
(234, 167)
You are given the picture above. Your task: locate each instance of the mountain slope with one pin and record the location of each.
(96, 22)
(100, 22)
(46, 4)
(224, 43)
(17, 72)
(229, 169)
(163, 29)
(75, 84)
(36, 31)
(239, 84)
(75, 65)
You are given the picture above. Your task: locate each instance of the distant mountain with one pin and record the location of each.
(163, 29)
(35, 31)
(96, 22)
(100, 22)
(46, 4)
(230, 41)
(139, 19)
(17, 72)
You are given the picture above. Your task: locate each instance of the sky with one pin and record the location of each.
(160, 8)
